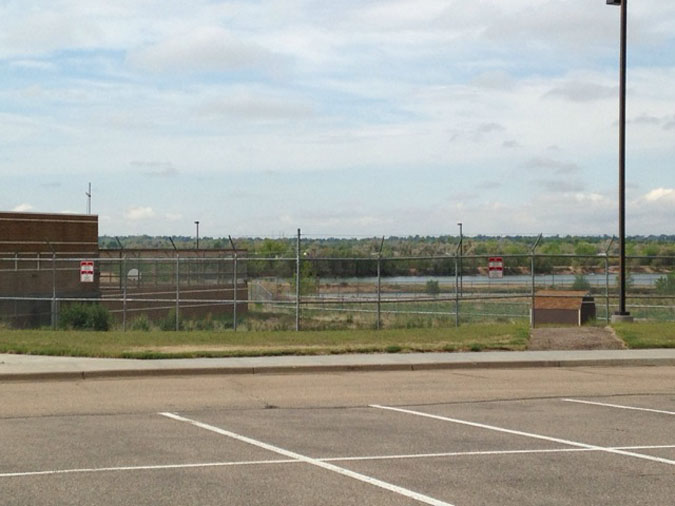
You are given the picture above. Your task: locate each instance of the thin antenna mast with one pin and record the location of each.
(88, 194)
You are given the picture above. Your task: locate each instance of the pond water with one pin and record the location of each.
(644, 280)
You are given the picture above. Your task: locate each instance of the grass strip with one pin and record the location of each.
(193, 344)
(640, 335)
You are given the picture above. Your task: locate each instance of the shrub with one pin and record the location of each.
(169, 321)
(141, 322)
(580, 283)
(202, 324)
(432, 288)
(80, 316)
(99, 317)
(666, 284)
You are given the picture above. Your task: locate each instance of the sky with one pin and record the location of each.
(350, 118)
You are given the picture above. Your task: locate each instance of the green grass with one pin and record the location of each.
(646, 335)
(149, 345)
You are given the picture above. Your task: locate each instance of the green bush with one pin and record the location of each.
(202, 324)
(169, 321)
(580, 283)
(432, 288)
(141, 322)
(666, 284)
(80, 316)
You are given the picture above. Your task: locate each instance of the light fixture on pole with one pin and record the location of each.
(622, 314)
(197, 235)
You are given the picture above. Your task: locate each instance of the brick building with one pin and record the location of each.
(39, 259)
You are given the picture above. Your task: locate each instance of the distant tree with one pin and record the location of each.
(587, 251)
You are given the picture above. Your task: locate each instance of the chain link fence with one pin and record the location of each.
(230, 290)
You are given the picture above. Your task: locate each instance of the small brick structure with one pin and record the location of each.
(563, 306)
(40, 264)
(39, 259)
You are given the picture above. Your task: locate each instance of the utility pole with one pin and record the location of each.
(622, 315)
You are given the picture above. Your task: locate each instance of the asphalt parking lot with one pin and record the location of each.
(615, 444)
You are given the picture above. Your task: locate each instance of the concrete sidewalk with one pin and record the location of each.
(30, 367)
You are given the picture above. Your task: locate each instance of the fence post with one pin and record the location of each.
(297, 283)
(379, 290)
(119, 243)
(456, 292)
(607, 287)
(607, 278)
(532, 315)
(379, 284)
(177, 292)
(234, 284)
(54, 316)
(533, 253)
(124, 293)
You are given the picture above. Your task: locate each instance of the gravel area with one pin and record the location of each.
(574, 338)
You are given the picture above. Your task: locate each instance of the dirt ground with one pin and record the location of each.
(574, 338)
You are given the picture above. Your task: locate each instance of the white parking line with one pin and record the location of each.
(145, 468)
(314, 462)
(528, 434)
(620, 406)
(327, 459)
(488, 453)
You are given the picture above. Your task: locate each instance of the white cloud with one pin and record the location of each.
(659, 194)
(594, 198)
(139, 213)
(22, 208)
(558, 167)
(204, 49)
(156, 169)
(33, 64)
(248, 106)
(173, 216)
(560, 185)
(583, 91)
(511, 144)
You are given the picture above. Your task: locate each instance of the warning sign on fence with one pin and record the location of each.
(87, 271)
(495, 267)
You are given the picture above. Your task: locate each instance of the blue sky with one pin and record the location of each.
(358, 118)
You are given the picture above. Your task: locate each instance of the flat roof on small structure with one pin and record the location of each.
(561, 299)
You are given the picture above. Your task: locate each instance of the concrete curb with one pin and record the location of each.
(330, 368)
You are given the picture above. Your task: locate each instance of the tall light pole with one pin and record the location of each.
(622, 314)
(197, 236)
(461, 253)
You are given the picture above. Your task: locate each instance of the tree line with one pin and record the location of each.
(357, 257)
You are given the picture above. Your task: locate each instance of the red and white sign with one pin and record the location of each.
(495, 267)
(87, 271)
